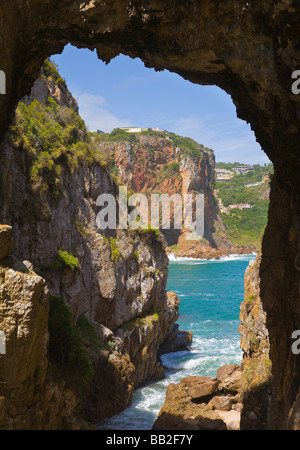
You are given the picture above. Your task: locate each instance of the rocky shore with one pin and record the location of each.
(203, 403)
(205, 252)
(239, 397)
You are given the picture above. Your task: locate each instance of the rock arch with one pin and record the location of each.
(248, 48)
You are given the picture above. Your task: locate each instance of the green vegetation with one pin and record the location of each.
(67, 355)
(168, 171)
(175, 247)
(89, 334)
(136, 256)
(235, 190)
(117, 135)
(146, 319)
(54, 138)
(187, 145)
(245, 227)
(115, 251)
(49, 70)
(250, 299)
(152, 232)
(62, 259)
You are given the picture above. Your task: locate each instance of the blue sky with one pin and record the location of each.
(126, 93)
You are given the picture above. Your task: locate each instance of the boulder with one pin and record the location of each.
(229, 377)
(200, 387)
(177, 341)
(203, 403)
(221, 403)
(231, 418)
(180, 413)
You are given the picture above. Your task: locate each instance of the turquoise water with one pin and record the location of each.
(210, 294)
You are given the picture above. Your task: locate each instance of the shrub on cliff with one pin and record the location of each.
(54, 137)
(66, 353)
(49, 70)
(62, 259)
(117, 135)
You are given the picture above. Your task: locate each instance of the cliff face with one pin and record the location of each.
(249, 49)
(238, 397)
(116, 282)
(257, 387)
(28, 399)
(279, 290)
(163, 163)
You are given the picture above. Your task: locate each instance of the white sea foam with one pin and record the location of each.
(214, 344)
(186, 260)
(206, 356)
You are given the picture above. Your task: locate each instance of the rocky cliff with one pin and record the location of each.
(153, 162)
(109, 291)
(257, 387)
(203, 403)
(249, 49)
(239, 397)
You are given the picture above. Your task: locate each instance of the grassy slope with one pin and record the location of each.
(245, 227)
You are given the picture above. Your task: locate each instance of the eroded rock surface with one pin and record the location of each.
(203, 403)
(249, 49)
(163, 163)
(116, 281)
(257, 390)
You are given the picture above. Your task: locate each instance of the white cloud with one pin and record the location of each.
(134, 80)
(231, 141)
(94, 110)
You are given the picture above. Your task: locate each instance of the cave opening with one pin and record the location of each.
(250, 50)
(132, 96)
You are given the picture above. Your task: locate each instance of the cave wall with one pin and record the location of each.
(279, 288)
(249, 49)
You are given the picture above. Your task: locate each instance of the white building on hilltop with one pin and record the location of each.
(134, 129)
(241, 170)
(223, 174)
(240, 206)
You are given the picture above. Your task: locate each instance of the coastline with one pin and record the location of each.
(216, 340)
(210, 254)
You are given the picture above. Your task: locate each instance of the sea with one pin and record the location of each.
(210, 294)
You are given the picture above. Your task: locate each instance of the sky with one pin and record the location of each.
(125, 93)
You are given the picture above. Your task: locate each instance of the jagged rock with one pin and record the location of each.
(177, 341)
(104, 333)
(251, 50)
(119, 280)
(142, 338)
(257, 386)
(229, 377)
(231, 419)
(199, 387)
(24, 320)
(199, 403)
(143, 167)
(221, 403)
(3, 418)
(179, 413)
